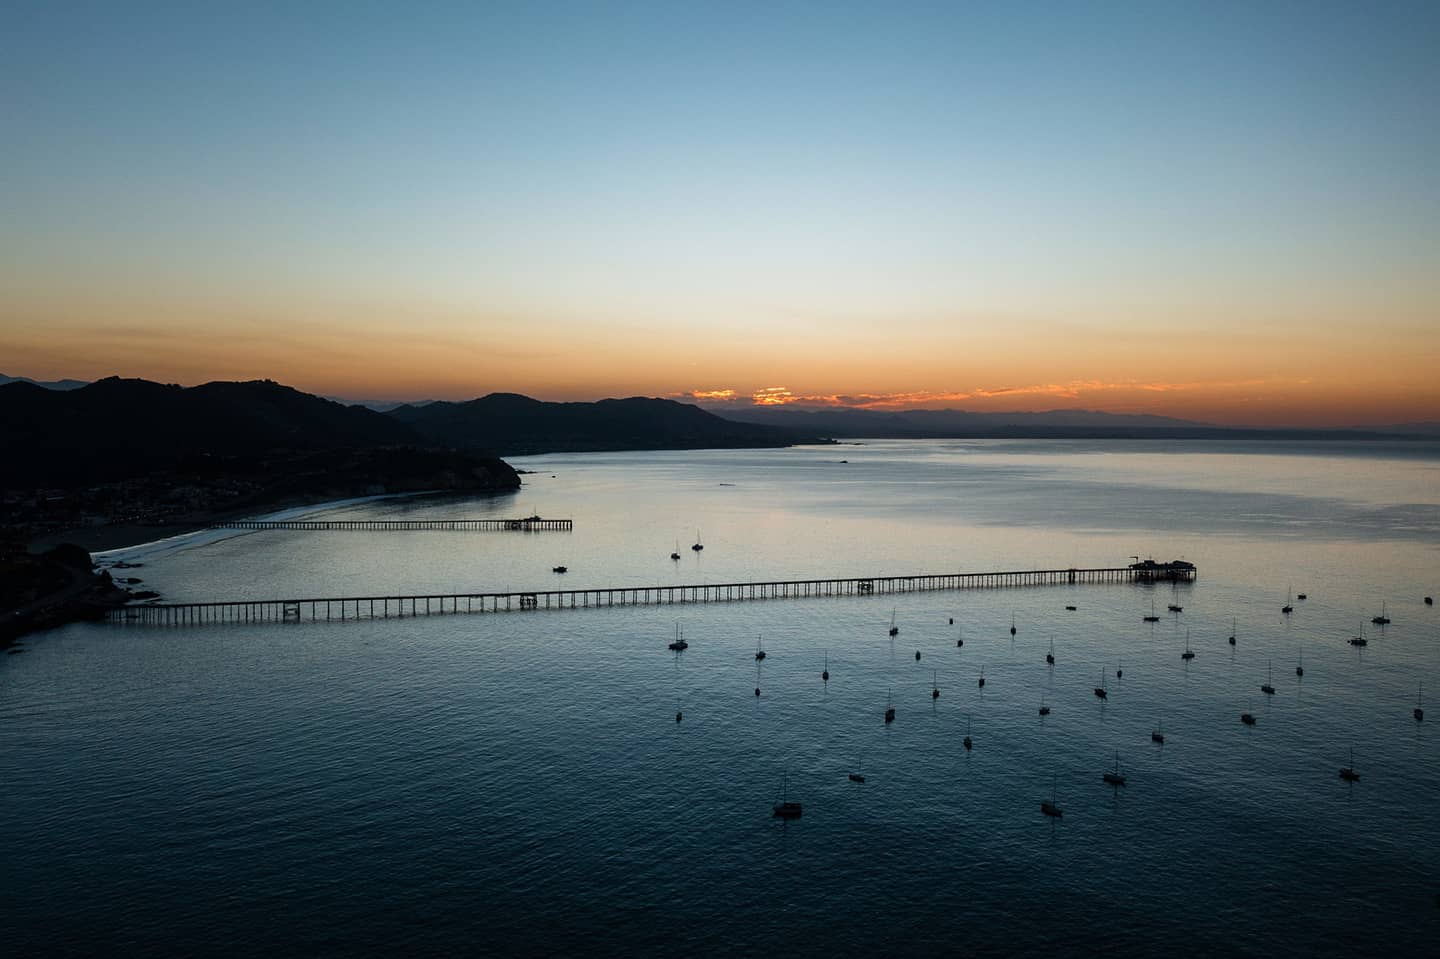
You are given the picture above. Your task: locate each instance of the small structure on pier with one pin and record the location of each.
(1177, 570)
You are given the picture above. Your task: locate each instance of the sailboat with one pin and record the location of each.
(676, 555)
(1348, 773)
(1119, 671)
(1359, 640)
(1157, 735)
(1100, 690)
(934, 684)
(1268, 689)
(825, 676)
(1152, 618)
(1050, 656)
(759, 649)
(857, 776)
(1012, 624)
(698, 545)
(1287, 609)
(960, 640)
(1248, 718)
(1382, 619)
(1189, 654)
(1114, 778)
(1419, 712)
(1300, 664)
(981, 684)
(679, 645)
(786, 809)
(1044, 710)
(1048, 807)
(1233, 630)
(917, 655)
(894, 630)
(678, 714)
(889, 707)
(967, 741)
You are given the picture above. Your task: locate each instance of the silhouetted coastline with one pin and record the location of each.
(124, 461)
(58, 586)
(121, 462)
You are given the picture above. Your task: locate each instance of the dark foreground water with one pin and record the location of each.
(517, 784)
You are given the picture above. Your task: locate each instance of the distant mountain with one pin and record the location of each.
(507, 423)
(1050, 424)
(51, 385)
(379, 406)
(949, 422)
(1409, 429)
(118, 427)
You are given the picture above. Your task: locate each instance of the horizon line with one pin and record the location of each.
(720, 402)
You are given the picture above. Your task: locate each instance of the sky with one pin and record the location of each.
(1220, 211)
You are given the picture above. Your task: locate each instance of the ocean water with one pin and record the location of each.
(517, 784)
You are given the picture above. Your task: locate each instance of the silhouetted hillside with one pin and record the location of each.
(102, 464)
(116, 428)
(508, 423)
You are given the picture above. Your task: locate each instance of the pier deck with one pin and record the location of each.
(528, 524)
(340, 608)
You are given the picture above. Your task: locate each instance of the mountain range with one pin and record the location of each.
(50, 385)
(510, 424)
(1049, 424)
(116, 428)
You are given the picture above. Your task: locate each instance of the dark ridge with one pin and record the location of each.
(123, 427)
(102, 464)
(509, 424)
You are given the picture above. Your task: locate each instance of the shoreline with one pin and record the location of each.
(74, 589)
(100, 539)
(118, 537)
(119, 545)
(171, 534)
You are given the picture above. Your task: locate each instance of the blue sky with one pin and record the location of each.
(903, 175)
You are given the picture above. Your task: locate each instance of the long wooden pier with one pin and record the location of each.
(528, 524)
(341, 608)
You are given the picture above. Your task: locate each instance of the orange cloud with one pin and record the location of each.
(773, 396)
(916, 399)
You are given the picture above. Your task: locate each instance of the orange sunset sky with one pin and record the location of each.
(1230, 218)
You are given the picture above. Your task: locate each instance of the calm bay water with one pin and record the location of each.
(516, 784)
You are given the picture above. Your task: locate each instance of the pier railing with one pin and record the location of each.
(340, 608)
(529, 524)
